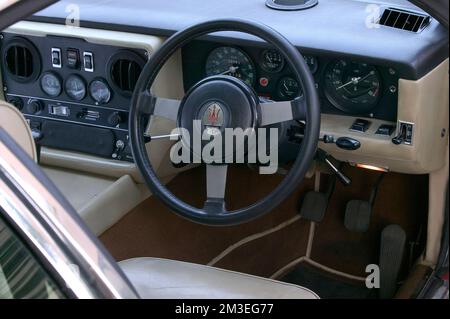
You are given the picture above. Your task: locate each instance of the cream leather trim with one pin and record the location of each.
(423, 102)
(169, 84)
(13, 122)
(169, 279)
(438, 182)
(100, 201)
(108, 207)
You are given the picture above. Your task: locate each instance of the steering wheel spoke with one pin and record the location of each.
(158, 106)
(277, 112)
(166, 108)
(216, 183)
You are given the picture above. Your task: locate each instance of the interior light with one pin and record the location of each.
(372, 168)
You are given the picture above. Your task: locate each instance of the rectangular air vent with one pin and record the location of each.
(404, 20)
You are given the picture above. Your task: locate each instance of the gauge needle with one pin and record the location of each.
(232, 69)
(355, 80)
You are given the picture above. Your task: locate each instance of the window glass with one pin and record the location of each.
(21, 275)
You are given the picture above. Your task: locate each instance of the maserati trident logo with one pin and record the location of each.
(213, 116)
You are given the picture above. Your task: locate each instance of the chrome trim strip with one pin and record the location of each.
(65, 102)
(56, 231)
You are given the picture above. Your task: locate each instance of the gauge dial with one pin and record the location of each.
(352, 87)
(75, 87)
(272, 61)
(312, 63)
(231, 61)
(100, 91)
(288, 88)
(51, 84)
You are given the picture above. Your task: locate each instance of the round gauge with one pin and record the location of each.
(288, 88)
(100, 91)
(51, 84)
(75, 87)
(312, 63)
(272, 61)
(352, 87)
(231, 61)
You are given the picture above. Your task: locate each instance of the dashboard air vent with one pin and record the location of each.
(126, 67)
(404, 20)
(22, 60)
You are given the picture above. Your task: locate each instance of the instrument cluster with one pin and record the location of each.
(345, 86)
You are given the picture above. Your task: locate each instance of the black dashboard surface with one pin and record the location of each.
(333, 27)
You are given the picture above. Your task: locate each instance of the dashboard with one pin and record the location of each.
(74, 94)
(346, 86)
(375, 84)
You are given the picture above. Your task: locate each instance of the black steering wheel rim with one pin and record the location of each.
(307, 149)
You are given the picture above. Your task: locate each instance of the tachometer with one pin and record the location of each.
(231, 61)
(352, 87)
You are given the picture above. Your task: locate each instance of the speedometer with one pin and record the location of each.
(352, 87)
(231, 61)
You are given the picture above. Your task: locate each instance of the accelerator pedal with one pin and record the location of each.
(393, 240)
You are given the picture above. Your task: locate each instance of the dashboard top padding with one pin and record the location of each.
(332, 27)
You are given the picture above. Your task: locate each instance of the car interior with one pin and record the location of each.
(363, 170)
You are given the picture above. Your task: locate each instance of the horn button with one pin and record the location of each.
(216, 103)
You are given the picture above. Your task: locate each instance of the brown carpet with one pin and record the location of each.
(151, 230)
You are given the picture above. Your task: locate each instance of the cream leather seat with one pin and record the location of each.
(156, 278)
(13, 122)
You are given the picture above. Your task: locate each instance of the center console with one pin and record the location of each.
(74, 94)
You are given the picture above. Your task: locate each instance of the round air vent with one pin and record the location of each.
(291, 5)
(22, 60)
(125, 68)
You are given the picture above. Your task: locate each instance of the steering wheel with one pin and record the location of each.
(236, 105)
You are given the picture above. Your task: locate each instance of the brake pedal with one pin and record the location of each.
(359, 212)
(393, 240)
(357, 216)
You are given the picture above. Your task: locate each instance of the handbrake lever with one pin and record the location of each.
(325, 157)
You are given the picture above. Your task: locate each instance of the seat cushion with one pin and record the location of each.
(13, 122)
(156, 278)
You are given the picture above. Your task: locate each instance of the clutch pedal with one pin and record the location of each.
(393, 240)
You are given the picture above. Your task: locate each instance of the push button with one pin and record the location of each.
(385, 129)
(360, 125)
